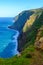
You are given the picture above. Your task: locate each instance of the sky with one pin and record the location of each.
(11, 8)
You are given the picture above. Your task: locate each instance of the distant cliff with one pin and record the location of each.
(20, 20)
(28, 22)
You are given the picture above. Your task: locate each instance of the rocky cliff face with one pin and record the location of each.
(39, 39)
(30, 30)
(28, 22)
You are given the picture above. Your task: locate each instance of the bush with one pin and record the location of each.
(28, 55)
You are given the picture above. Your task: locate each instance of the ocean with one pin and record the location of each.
(8, 38)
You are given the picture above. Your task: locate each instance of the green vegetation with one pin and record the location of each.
(29, 55)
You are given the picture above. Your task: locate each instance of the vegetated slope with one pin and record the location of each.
(30, 30)
(20, 20)
(31, 53)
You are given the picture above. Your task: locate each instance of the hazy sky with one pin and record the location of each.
(10, 8)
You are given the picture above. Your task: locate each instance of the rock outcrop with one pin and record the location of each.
(39, 39)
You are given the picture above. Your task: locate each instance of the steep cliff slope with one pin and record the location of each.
(30, 29)
(20, 20)
(30, 42)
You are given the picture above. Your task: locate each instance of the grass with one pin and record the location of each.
(32, 53)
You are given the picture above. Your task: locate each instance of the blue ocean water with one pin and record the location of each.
(8, 39)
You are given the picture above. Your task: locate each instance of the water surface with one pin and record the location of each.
(8, 38)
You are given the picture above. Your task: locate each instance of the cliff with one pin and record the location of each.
(27, 22)
(20, 20)
(30, 29)
(30, 40)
